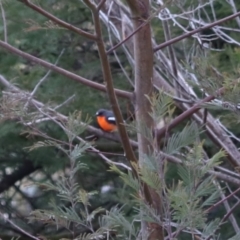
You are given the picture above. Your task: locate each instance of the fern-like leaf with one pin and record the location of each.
(183, 139)
(210, 228)
(211, 199)
(161, 104)
(213, 161)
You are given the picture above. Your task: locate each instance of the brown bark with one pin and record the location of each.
(143, 55)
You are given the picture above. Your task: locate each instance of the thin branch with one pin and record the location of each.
(230, 190)
(99, 6)
(227, 215)
(58, 21)
(4, 22)
(54, 119)
(17, 227)
(62, 71)
(101, 154)
(40, 120)
(219, 174)
(171, 53)
(127, 38)
(42, 80)
(229, 211)
(81, 140)
(185, 35)
(234, 9)
(65, 102)
(110, 89)
(187, 113)
(221, 201)
(230, 134)
(92, 129)
(114, 52)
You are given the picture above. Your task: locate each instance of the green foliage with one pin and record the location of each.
(151, 178)
(127, 178)
(213, 161)
(75, 203)
(210, 228)
(162, 105)
(188, 198)
(236, 237)
(116, 219)
(214, 77)
(99, 234)
(183, 139)
(75, 125)
(69, 192)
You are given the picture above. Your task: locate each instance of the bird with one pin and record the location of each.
(106, 120)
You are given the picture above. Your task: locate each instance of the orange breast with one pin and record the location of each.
(106, 126)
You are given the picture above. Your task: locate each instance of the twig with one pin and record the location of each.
(42, 80)
(234, 9)
(17, 227)
(185, 35)
(187, 113)
(221, 201)
(172, 56)
(230, 190)
(114, 52)
(99, 6)
(127, 38)
(44, 119)
(229, 213)
(135, 31)
(65, 102)
(230, 134)
(4, 22)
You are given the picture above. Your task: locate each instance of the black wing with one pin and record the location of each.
(112, 120)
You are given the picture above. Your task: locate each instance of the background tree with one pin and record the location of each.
(171, 67)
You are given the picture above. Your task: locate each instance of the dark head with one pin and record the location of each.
(103, 112)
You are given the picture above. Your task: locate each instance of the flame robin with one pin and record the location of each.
(106, 120)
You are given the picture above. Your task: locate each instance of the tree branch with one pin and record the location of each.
(58, 21)
(187, 114)
(110, 88)
(18, 228)
(4, 22)
(115, 137)
(185, 35)
(222, 200)
(62, 71)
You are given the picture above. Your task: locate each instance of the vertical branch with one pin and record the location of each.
(143, 55)
(171, 52)
(4, 22)
(107, 75)
(111, 94)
